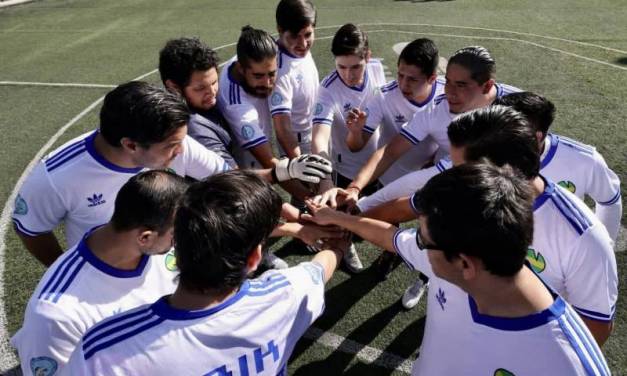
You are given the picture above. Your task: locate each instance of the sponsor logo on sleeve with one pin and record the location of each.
(247, 132)
(314, 273)
(21, 208)
(170, 261)
(43, 366)
(503, 372)
(319, 109)
(536, 260)
(568, 185)
(276, 99)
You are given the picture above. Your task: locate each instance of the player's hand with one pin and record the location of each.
(338, 197)
(320, 214)
(309, 168)
(319, 236)
(356, 120)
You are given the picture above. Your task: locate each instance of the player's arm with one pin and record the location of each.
(282, 123)
(45, 247)
(600, 330)
(329, 259)
(309, 233)
(396, 211)
(604, 189)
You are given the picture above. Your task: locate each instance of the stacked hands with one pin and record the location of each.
(320, 223)
(309, 168)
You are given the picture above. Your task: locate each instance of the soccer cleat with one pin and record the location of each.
(412, 295)
(274, 262)
(352, 261)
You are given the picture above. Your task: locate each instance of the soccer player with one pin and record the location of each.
(141, 126)
(579, 168)
(188, 67)
(470, 84)
(341, 96)
(218, 321)
(113, 268)
(294, 95)
(486, 307)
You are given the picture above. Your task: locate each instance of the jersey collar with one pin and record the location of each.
(86, 253)
(356, 88)
(91, 149)
(426, 101)
(550, 147)
(549, 189)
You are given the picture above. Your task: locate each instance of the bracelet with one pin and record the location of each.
(350, 186)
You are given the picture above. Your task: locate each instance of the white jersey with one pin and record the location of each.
(77, 185)
(252, 332)
(335, 100)
(247, 115)
(295, 93)
(572, 252)
(582, 170)
(390, 109)
(435, 120)
(78, 291)
(553, 341)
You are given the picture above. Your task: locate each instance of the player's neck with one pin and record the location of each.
(188, 300)
(518, 296)
(114, 248)
(537, 185)
(490, 97)
(423, 95)
(112, 154)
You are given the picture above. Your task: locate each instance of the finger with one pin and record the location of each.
(333, 201)
(308, 217)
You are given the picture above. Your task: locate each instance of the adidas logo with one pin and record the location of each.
(95, 200)
(399, 119)
(347, 106)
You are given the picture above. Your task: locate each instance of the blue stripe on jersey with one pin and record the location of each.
(551, 153)
(389, 87)
(409, 137)
(502, 90)
(280, 59)
(611, 201)
(587, 149)
(396, 249)
(591, 343)
(113, 341)
(237, 93)
(262, 292)
(52, 166)
(21, 229)
(255, 142)
(368, 129)
(597, 316)
(97, 329)
(65, 151)
(88, 344)
(280, 110)
(68, 273)
(232, 93)
(327, 81)
(439, 98)
(570, 211)
(583, 344)
(69, 281)
(441, 166)
(322, 121)
(60, 269)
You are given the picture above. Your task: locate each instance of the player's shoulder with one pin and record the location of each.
(439, 100)
(574, 146)
(68, 154)
(389, 87)
(505, 89)
(59, 281)
(330, 79)
(574, 214)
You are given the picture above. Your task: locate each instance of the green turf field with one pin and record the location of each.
(574, 52)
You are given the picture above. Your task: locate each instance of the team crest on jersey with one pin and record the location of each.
(170, 170)
(314, 273)
(21, 208)
(568, 185)
(319, 109)
(503, 372)
(299, 78)
(247, 132)
(95, 200)
(441, 298)
(536, 260)
(276, 99)
(170, 261)
(400, 119)
(43, 366)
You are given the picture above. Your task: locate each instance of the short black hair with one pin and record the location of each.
(142, 112)
(480, 210)
(538, 110)
(422, 53)
(183, 56)
(255, 45)
(350, 40)
(500, 134)
(477, 60)
(219, 223)
(295, 15)
(148, 200)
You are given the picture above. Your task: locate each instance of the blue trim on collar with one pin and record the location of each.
(549, 190)
(357, 88)
(94, 261)
(91, 149)
(518, 323)
(552, 150)
(165, 310)
(286, 52)
(429, 98)
(228, 73)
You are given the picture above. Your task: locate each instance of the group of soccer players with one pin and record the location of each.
(168, 205)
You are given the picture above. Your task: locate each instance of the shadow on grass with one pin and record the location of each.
(621, 60)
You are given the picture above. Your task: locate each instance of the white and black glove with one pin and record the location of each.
(309, 168)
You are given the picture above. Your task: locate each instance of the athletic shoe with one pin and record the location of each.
(274, 262)
(412, 295)
(352, 261)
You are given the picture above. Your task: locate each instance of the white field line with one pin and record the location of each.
(55, 84)
(367, 354)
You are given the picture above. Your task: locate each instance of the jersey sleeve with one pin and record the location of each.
(324, 110)
(591, 276)
(77, 365)
(406, 247)
(200, 162)
(46, 341)
(244, 122)
(416, 129)
(281, 98)
(38, 206)
(605, 190)
(375, 113)
(307, 280)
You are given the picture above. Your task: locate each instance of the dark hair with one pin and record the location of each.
(295, 15)
(538, 110)
(477, 60)
(183, 56)
(255, 45)
(219, 222)
(499, 134)
(350, 40)
(480, 210)
(142, 112)
(422, 53)
(149, 199)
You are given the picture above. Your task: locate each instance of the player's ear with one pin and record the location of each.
(171, 86)
(487, 86)
(254, 259)
(432, 78)
(128, 144)
(468, 266)
(368, 55)
(145, 238)
(540, 137)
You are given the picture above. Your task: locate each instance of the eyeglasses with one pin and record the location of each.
(422, 245)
